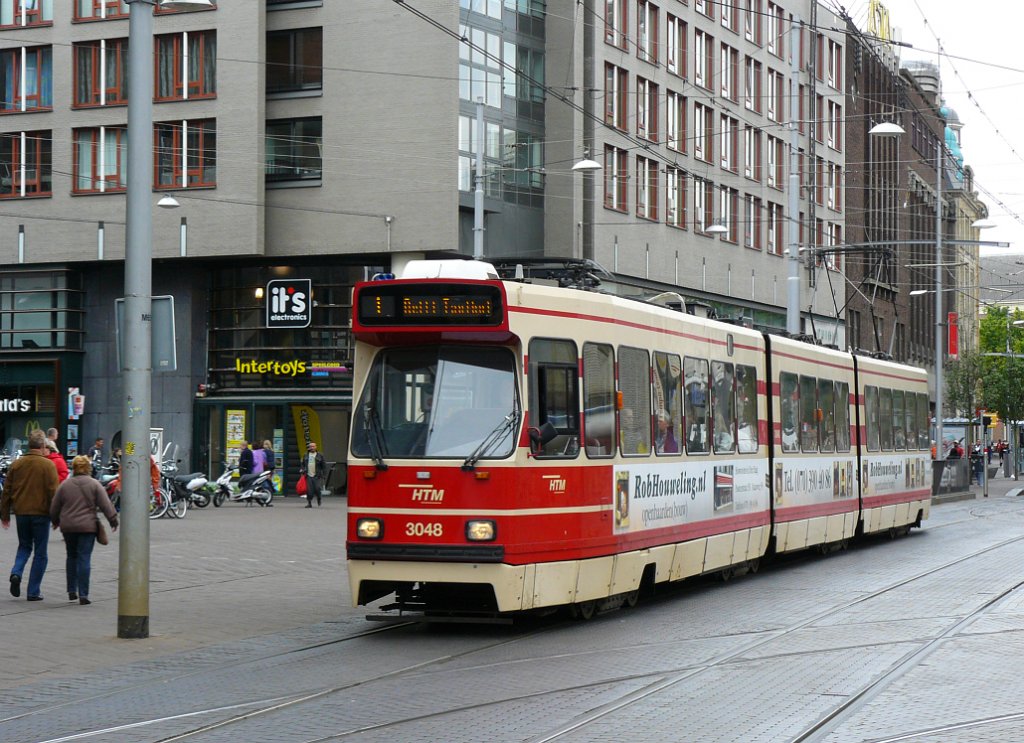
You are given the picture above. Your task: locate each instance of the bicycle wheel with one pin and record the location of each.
(178, 508)
(158, 504)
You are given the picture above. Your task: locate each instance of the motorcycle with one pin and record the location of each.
(254, 488)
(184, 489)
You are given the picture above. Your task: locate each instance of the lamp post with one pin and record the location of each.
(133, 558)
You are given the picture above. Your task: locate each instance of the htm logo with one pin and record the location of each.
(289, 302)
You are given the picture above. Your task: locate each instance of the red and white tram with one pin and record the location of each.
(518, 446)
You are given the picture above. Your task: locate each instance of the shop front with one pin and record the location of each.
(279, 369)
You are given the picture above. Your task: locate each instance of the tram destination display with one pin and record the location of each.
(430, 304)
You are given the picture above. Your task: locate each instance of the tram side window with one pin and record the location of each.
(827, 425)
(899, 421)
(599, 399)
(871, 411)
(695, 403)
(789, 409)
(746, 409)
(635, 416)
(723, 407)
(554, 394)
(923, 422)
(668, 423)
(842, 416)
(885, 417)
(808, 413)
(910, 420)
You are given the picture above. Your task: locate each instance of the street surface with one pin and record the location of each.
(917, 639)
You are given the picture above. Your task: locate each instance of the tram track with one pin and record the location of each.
(659, 682)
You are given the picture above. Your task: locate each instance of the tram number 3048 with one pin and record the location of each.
(419, 529)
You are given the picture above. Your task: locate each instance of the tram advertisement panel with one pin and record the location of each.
(805, 481)
(658, 496)
(884, 475)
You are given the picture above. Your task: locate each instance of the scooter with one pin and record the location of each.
(250, 489)
(184, 489)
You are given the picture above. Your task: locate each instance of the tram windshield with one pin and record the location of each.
(438, 402)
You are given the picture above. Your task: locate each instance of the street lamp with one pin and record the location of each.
(133, 557)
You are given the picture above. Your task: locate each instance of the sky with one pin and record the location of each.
(983, 81)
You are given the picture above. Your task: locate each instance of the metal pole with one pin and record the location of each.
(133, 559)
(939, 347)
(478, 202)
(793, 282)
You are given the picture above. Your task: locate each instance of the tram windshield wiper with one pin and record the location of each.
(509, 423)
(376, 438)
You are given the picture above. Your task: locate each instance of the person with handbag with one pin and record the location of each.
(73, 511)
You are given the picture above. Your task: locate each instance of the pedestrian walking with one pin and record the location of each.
(313, 468)
(245, 459)
(28, 491)
(73, 511)
(58, 461)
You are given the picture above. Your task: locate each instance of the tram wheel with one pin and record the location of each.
(584, 610)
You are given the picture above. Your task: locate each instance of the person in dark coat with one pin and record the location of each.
(313, 467)
(245, 460)
(73, 511)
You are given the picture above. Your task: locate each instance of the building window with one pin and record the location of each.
(647, 31)
(752, 85)
(729, 202)
(729, 135)
(776, 29)
(295, 149)
(101, 163)
(480, 66)
(774, 225)
(752, 21)
(835, 186)
(26, 79)
(752, 222)
(675, 47)
(616, 13)
(703, 132)
(835, 125)
(675, 122)
(524, 73)
(97, 10)
(101, 72)
(703, 203)
(25, 165)
(646, 109)
(776, 89)
(752, 153)
(189, 161)
(186, 65)
(703, 59)
(675, 197)
(730, 61)
(40, 309)
(835, 65)
(26, 12)
(616, 175)
(775, 162)
(516, 151)
(646, 188)
(616, 85)
(730, 16)
(295, 60)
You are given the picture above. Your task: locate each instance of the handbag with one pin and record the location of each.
(301, 486)
(101, 532)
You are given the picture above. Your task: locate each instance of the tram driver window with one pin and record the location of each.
(599, 399)
(789, 411)
(695, 404)
(554, 394)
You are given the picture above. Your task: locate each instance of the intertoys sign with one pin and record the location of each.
(289, 303)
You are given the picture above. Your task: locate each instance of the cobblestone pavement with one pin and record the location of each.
(254, 640)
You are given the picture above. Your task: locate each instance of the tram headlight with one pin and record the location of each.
(369, 528)
(481, 531)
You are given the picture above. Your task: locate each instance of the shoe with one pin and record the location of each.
(72, 596)
(35, 598)
(15, 585)
(308, 505)
(84, 601)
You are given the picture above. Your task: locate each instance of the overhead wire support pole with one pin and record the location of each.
(478, 196)
(939, 325)
(793, 278)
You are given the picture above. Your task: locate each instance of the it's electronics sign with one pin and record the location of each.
(289, 303)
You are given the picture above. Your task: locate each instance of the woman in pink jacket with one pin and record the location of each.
(73, 510)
